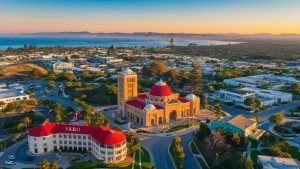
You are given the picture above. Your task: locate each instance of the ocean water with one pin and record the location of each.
(16, 42)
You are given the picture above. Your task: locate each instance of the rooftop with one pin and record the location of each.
(239, 121)
(103, 135)
(271, 162)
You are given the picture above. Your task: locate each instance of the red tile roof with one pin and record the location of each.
(139, 104)
(103, 135)
(160, 90)
(142, 95)
(183, 100)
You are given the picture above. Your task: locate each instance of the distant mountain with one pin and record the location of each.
(229, 36)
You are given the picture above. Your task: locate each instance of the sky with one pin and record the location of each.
(167, 16)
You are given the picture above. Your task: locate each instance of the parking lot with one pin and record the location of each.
(21, 157)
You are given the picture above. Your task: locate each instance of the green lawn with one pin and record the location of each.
(254, 155)
(145, 157)
(201, 162)
(293, 151)
(180, 127)
(193, 148)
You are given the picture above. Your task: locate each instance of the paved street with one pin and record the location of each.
(158, 147)
(263, 114)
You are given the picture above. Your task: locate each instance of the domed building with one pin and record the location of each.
(158, 106)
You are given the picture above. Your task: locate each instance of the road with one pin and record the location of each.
(158, 147)
(265, 114)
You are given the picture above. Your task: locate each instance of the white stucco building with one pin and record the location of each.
(104, 143)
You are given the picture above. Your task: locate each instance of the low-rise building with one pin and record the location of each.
(270, 162)
(238, 124)
(104, 143)
(8, 96)
(62, 66)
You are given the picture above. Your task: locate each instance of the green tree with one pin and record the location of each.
(156, 69)
(36, 74)
(46, 91)
(1, 107)
(295, 87)
(177, 152)
(44, 164)
(97, 119)
(54, 165)
(235, 139)
(276, 118)
(252, 102)
(210, 88)
(203, 131)
(51, 84)
(196, 78)
(26, 120)
(61, 114)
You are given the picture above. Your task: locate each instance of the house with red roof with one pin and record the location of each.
(158, 106)
(104, 143)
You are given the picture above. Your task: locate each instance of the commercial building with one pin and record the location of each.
(271, 81)
(238, 124)
(62, 66)
(8, 96)
(266, 97)
(104, 143)
(277, 96)
(158, 106)
(270, 162)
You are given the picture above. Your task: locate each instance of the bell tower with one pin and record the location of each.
(127, 88)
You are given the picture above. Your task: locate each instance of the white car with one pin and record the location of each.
(58, 155)
(11, 157)
(9, 162)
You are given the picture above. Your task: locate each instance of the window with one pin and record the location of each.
(54, 136)
(35, 150)
(44, 138)
(59, 136)
(70, 136)
(65, 136)
(60, 142)
(74, 136)
(79, 137)
(70, 142)
(54, 142)
(65, 142)
(83, 137)
(75, 142)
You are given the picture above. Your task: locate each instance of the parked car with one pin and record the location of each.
(11, 157)
(9, 162)
(74, 159)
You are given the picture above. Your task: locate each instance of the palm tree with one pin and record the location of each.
(1, 107)
(44, 164)
(26, 121)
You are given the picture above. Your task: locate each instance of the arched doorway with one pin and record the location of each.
(152, 122)
(173, 115)
(160, 120)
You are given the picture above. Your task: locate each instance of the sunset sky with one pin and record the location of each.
(187, 16)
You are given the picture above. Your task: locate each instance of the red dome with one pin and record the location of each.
(160, 89)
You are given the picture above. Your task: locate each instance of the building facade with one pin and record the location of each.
(239, 124)
(104, 143)
(158, 106)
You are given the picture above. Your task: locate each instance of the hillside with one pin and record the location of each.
(22, 71)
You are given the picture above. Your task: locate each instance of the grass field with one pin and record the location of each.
(145, 163)
(20, 70)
